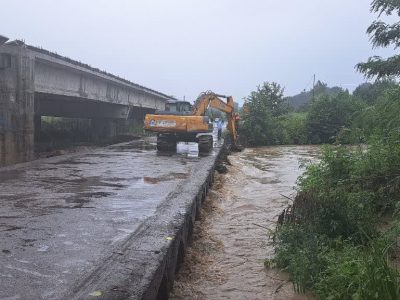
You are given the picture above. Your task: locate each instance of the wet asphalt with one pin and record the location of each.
(61, 216)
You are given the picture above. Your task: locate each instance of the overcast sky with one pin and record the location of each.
(184, 47)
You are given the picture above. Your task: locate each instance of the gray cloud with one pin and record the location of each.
(185, 47)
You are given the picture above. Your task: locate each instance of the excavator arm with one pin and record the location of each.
(213, 100)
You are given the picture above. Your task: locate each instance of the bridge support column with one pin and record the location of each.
(16, 107)
(103, 130)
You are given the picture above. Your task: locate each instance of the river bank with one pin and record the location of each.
(231, 240)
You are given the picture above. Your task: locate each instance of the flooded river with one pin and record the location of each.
(231, 239)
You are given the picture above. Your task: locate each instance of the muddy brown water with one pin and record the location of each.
(231, 239)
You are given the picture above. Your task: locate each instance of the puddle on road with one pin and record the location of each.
(135, 146)
(229, 241)
(85, 190)
(72, 162)
(168, 177)
(85, 197)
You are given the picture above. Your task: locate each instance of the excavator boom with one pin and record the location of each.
(214, 101)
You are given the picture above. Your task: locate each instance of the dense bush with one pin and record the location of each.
(356, 272)
(328, 114)
(54, 129)
(370, 93)
(379, 119)
(333, 245)
(292, 128)
(338, 268)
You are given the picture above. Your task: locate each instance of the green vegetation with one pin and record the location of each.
(260, 113)
(333, 240)
(268, 119)
(292, 128)
(370, 93)
(59, 132)
(328, 115)
(340, 237)
(383, 35)
(64, 130)
(301, 101)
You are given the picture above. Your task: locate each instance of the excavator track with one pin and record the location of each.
(166, 142)
(205, 143)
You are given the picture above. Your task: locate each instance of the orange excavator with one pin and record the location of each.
(182, 122)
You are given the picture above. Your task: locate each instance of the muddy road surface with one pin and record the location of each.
(231, 239)
(61, 217)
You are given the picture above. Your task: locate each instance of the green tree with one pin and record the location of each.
(328, 114)
(371, 92)
(293, 128)
(388, 109)
(383, 35)
(259, 113)
(302, 101)
(269, 95)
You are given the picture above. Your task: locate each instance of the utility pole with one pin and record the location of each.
(313, 88)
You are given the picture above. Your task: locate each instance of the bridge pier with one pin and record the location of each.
(16, 107)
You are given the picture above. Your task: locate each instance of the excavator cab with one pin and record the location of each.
(178, 108)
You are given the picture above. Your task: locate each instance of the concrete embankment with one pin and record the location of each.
(112, 223)
(146, 265)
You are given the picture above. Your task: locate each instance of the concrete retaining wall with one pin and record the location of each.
(146, 265)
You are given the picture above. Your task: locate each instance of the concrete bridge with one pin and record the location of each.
(35, 82)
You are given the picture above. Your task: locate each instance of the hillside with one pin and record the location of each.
(301, 100)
